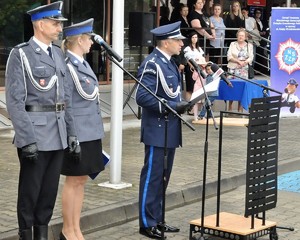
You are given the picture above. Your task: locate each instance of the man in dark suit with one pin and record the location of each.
(38, 103)
(160, 74)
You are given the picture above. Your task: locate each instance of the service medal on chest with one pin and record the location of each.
(42, 82)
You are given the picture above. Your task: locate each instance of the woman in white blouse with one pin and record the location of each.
(194, 51)
(239, 56)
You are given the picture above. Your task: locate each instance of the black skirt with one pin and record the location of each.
(189, 81)
(91, 160)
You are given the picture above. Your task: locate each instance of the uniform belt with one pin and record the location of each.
(58, 107)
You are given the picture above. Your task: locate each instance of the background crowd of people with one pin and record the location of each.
(214, 34)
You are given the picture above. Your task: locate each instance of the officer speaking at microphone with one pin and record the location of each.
(159, 73)
(38, 103)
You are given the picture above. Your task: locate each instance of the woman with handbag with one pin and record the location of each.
(239, 57)
(194, 51)
(251, 27)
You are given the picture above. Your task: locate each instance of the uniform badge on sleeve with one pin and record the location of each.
(42, 82)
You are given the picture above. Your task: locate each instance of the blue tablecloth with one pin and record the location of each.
(242, 91)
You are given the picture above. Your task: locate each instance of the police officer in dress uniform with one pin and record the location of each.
(159, 73)
(38, 103)
(88, 123)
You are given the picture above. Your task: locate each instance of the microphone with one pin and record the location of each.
(195, 65)
(219, 72)
(109, 50)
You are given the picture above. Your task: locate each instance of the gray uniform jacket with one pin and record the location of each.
(85, 103)
(48, 129)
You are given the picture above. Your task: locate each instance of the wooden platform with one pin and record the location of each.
(226, 121)
(233, 223)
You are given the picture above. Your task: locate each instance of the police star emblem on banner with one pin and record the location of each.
(288, 56)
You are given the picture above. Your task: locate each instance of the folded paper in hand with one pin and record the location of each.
(106, 161)
(210, 87)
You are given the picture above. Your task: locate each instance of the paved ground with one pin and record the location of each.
(231, 202)
(105, 207)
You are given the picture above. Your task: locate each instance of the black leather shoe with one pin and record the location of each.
(151, 232)
(168, 228)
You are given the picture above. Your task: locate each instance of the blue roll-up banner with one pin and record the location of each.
(285, 58)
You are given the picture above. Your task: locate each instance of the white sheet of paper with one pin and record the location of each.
(210, 87)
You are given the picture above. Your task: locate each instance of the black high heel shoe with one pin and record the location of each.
(62, 236)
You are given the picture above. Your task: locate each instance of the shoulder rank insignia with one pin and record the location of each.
(163, 59)
(22, 45)
(152, 59)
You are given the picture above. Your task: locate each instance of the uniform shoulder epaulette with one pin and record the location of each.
(153, 59)
(22, 45)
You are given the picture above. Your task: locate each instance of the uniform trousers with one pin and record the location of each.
(151, 185)
(38, 185)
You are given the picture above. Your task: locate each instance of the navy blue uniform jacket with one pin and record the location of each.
(153, 122)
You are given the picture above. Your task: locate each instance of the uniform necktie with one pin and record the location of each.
(84, 63)
(174, 64)
(49, 51)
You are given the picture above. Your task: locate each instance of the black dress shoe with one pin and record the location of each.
(62, 236)
(151, 232)
(168, 228)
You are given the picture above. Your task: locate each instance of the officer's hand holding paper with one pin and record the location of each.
(182, 106)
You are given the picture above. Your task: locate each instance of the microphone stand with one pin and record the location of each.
(138, 114)
(166, 113)
(208, 111)
(265, 88)
(129, 95)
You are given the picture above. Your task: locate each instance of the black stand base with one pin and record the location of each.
(286, 228)
(279, 227)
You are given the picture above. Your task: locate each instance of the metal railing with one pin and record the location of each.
(262, 51)
(134, 55)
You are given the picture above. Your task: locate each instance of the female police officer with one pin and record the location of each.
(88, 123)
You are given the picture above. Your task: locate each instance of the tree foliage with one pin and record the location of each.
(11, 20)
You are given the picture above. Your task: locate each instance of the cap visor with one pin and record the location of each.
(179, 37)
(62, 19)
